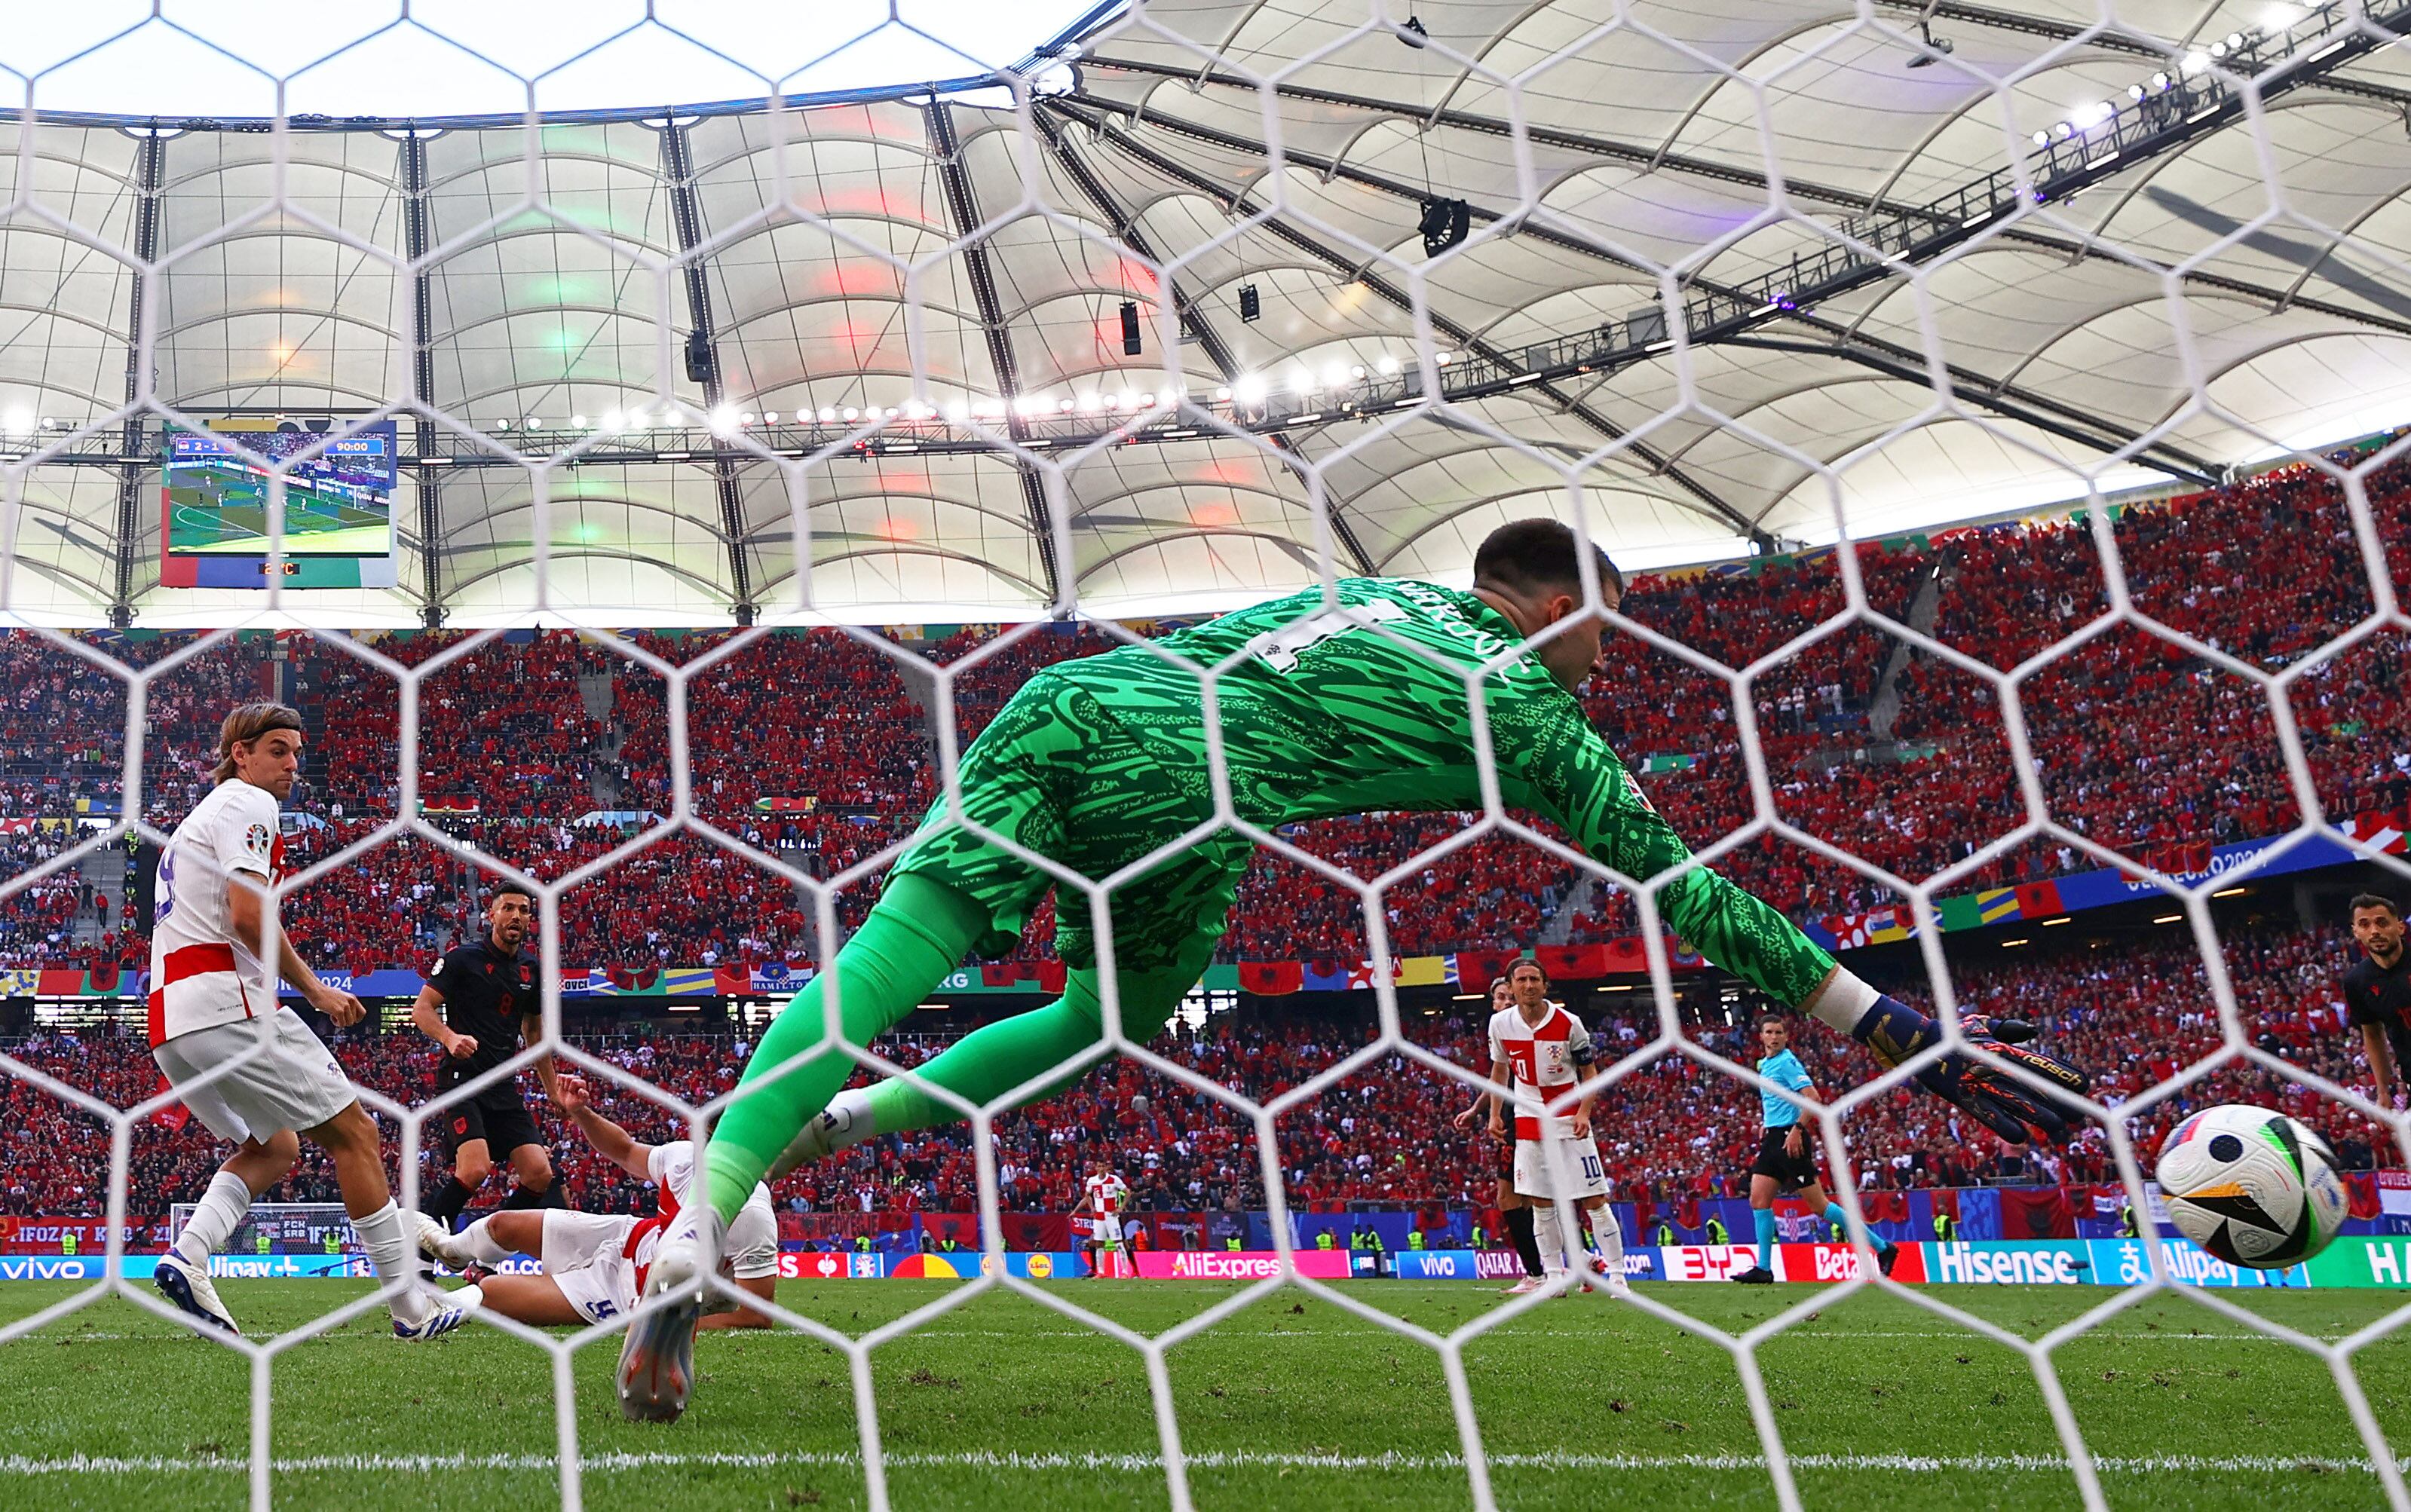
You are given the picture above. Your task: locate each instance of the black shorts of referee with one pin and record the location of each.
(1790, 1172)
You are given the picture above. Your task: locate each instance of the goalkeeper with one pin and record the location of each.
(1098, 762)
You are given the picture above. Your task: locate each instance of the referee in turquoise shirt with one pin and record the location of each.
(1787, 1160)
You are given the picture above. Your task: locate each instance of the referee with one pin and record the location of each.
(2378, 992)
(478, 1003)
(1786, 1160)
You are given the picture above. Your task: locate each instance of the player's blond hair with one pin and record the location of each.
(245, 723)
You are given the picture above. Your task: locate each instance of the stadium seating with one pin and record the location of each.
(814, 747)
(1671, 1130)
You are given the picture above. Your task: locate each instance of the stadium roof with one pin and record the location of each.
(2229, 281)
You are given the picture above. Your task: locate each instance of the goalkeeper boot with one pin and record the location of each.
(190, 1289)
(1757, 1275)
(1887, 1255)
(657, 1361)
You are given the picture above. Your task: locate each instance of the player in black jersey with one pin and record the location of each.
(2377, 991)
(482, 997)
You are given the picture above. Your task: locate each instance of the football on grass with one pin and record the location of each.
(2252, 1187)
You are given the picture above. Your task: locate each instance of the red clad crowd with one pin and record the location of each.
(813, 749)
(1674, 1127)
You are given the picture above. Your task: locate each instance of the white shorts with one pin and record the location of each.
(1538, 1164)
(290, 1082)
(584, 1254)
(1106, 1230)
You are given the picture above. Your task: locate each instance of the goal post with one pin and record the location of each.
(285, 1239)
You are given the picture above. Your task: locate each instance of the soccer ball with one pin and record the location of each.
(2252, 1187)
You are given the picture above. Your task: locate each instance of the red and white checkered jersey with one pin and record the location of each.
(200, 975)
(749, 1251)
(1106, 1195)
(1546, 1059)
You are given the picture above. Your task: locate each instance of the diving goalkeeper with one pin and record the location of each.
(1100, 762)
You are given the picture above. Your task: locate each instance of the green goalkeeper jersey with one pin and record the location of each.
(1323, 713)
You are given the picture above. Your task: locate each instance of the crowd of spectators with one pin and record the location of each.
(549, 750)
(2137, 1010)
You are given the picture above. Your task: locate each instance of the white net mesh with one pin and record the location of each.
(1198, 304)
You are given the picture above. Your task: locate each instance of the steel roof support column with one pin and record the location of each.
(962, 206)
(678, 162)
(150, 159)
(415, 240)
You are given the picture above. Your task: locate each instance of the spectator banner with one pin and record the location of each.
(2099, 889)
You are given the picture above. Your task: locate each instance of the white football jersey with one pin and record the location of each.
(201, 976)
(750, 1249)
(1544, 1060)
(1106, 1195)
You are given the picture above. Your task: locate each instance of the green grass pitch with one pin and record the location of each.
(1290, 1402)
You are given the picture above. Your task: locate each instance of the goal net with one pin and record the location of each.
(1995, 414)
(285, 1239)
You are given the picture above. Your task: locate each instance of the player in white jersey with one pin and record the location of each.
(594, 1264)
(246, 1066)
(1545, 1050)
(1104, 1195)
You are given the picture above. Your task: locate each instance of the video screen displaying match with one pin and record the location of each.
(337, 503)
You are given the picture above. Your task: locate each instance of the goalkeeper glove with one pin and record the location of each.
(2016, 1110)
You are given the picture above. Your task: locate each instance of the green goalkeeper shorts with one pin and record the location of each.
(1058, 776)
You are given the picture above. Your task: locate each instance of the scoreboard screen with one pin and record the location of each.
(338, 505)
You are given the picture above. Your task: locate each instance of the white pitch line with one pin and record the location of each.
(376, 1337)
(1148, 1464)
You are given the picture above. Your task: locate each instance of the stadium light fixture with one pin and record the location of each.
(2195, 61)
(1936, 48)
(829, 412)
(850, 414)
(577, 422)
(1250, 389)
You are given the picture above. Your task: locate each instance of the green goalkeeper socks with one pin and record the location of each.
(917, 933)
(990, 1062)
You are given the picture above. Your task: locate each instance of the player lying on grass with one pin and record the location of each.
(1101, 763)
(595, 1265)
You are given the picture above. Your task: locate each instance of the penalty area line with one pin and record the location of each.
(80, 1464)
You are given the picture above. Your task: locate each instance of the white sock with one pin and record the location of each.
(1608, 1235)
(477, 1243)
(1842, 1002)
(388, 1241)
(215, 1219)
(1551, 1238)
(468, 1298)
